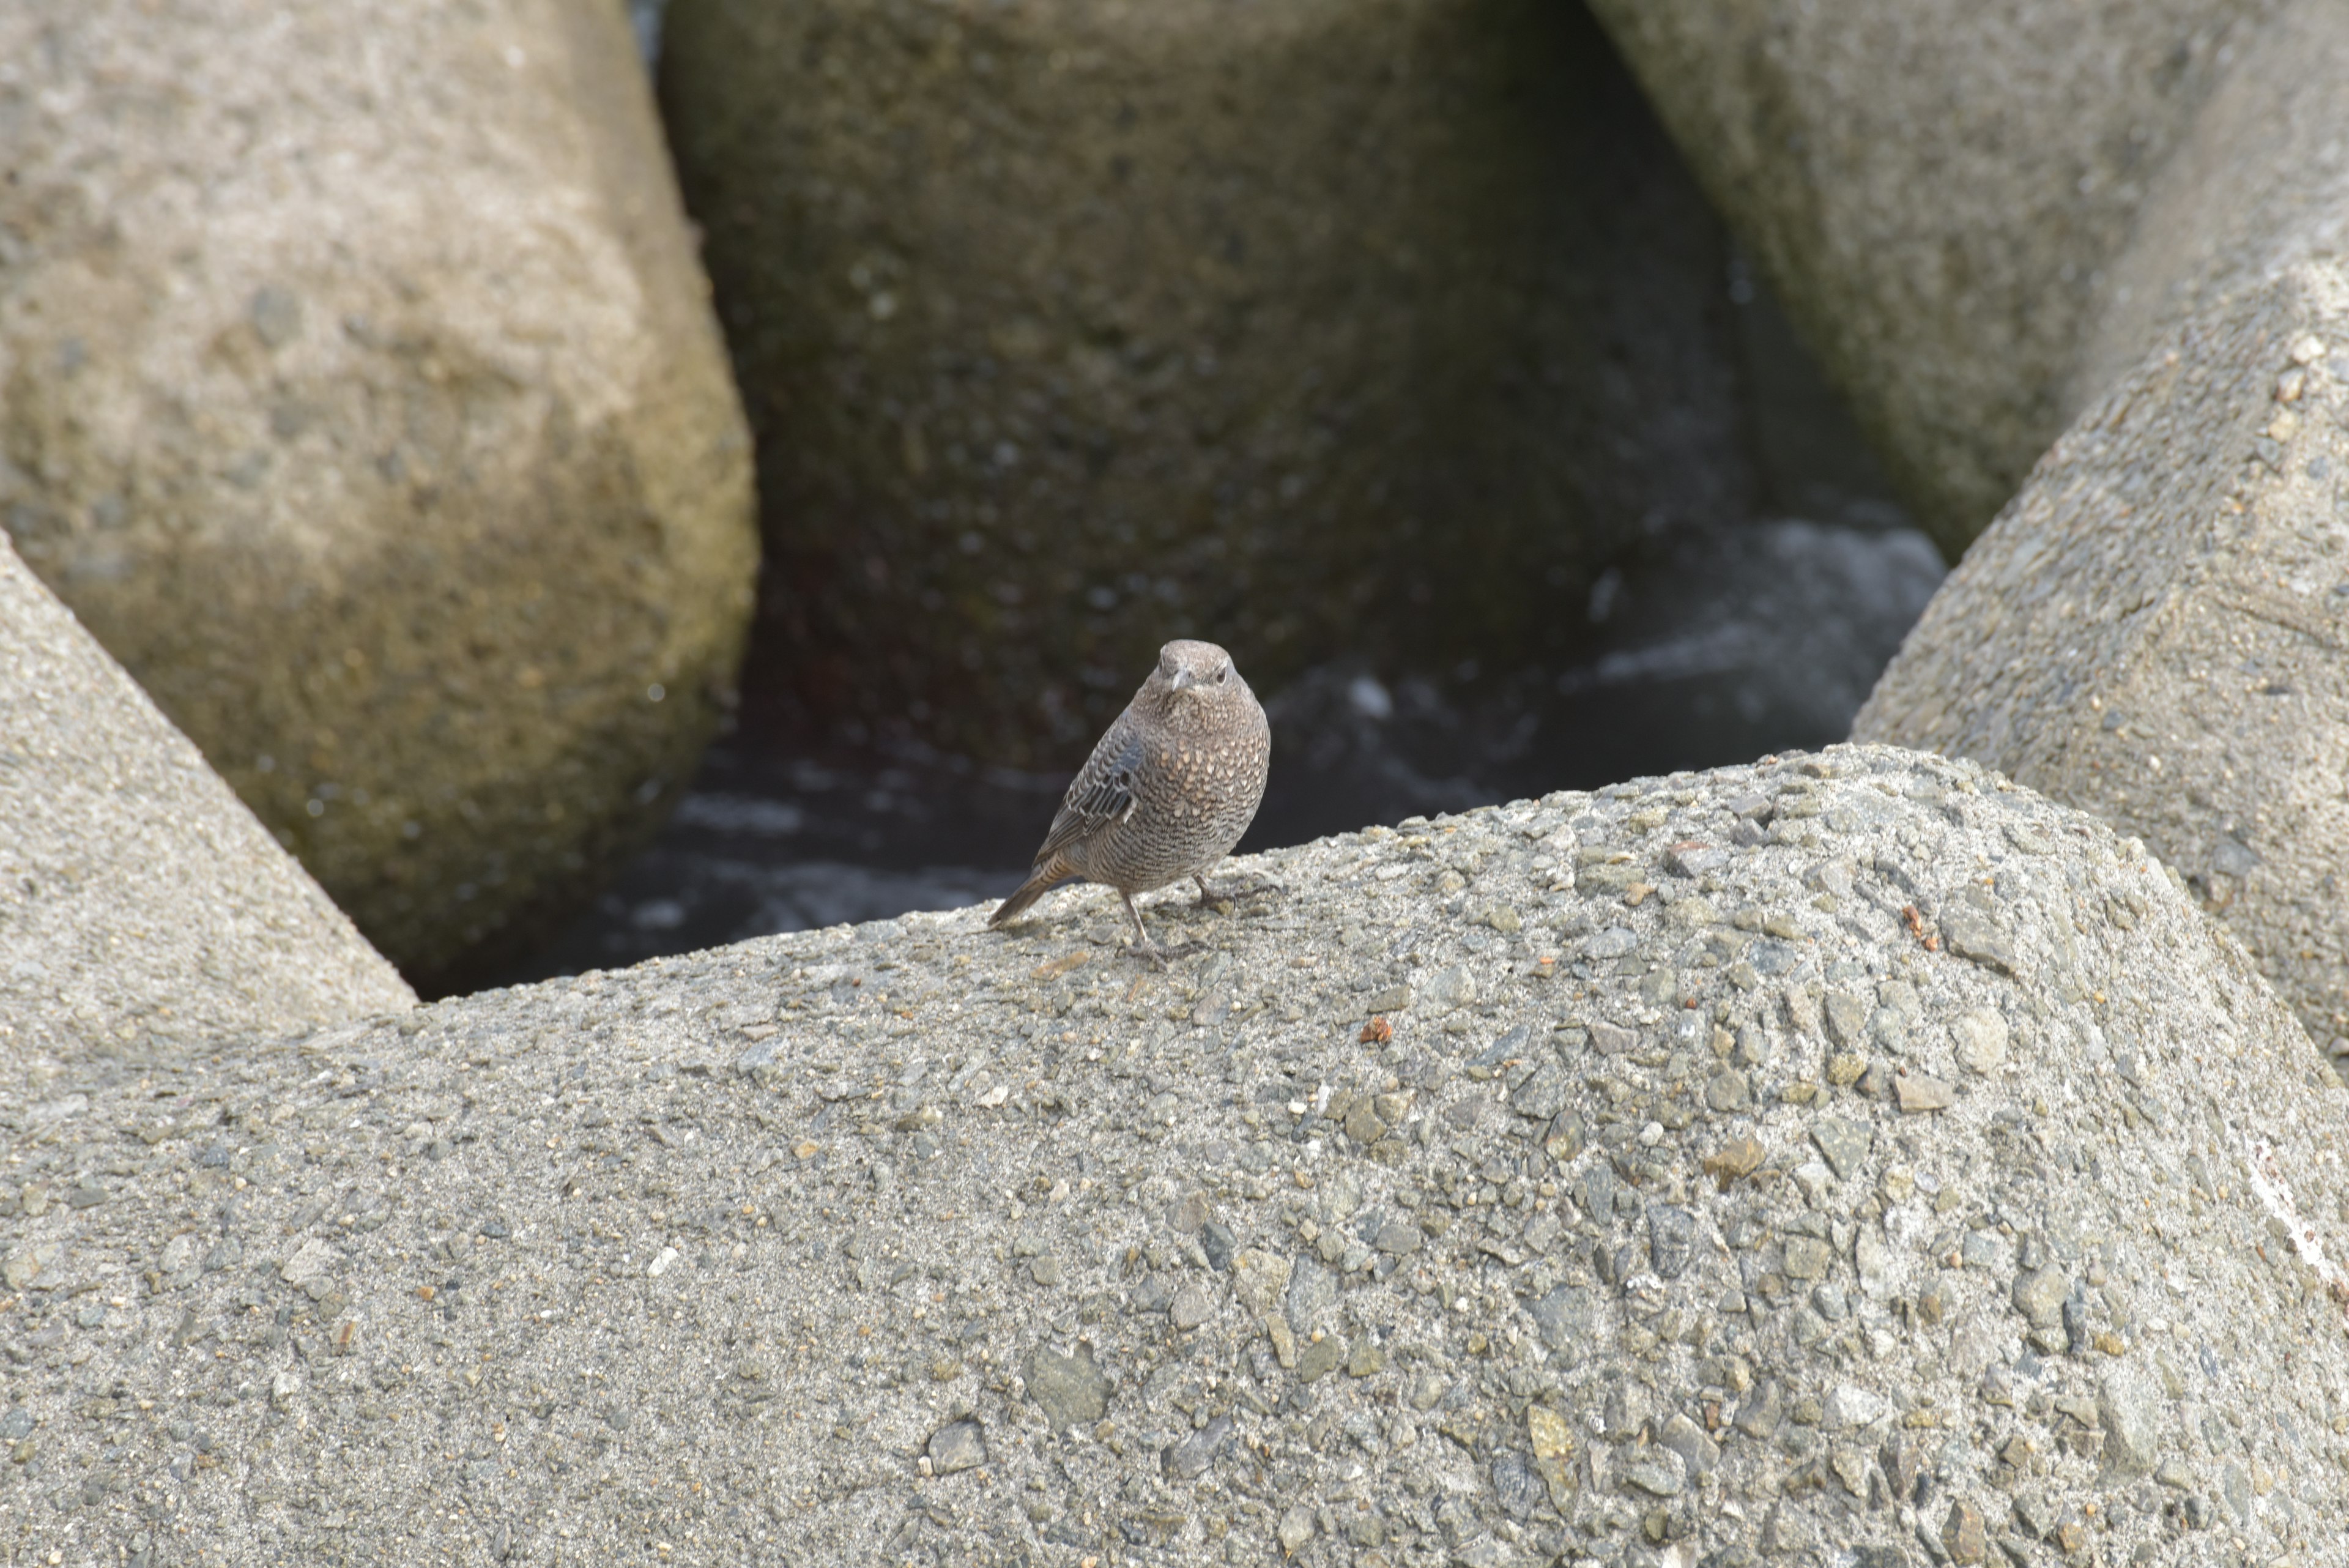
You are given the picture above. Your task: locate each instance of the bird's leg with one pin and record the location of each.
(1230, 894)
(1142, 947)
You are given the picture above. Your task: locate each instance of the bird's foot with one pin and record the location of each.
(1155, 954)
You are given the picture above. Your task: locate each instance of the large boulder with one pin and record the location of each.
(1786, 1162)
(1939, 192)
(144, 912)
(1068, 326)
(359, 390)
(2154, 631)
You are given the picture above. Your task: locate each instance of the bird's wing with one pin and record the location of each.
(1101, 792)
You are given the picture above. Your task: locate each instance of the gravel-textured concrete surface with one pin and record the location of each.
(364, 399)
(1068, 326)
(1851, 1158)
(143, 912)
(2154, 631)
(1937, 191)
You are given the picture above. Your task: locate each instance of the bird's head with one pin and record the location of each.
(1197, 670)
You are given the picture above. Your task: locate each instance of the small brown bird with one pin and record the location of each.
(1169, 789)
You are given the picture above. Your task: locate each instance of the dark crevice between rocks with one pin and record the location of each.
(1711, 639)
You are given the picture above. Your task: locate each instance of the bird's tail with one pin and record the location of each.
(1041, 881)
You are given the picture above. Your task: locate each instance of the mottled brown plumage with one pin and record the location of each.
(1168, 791)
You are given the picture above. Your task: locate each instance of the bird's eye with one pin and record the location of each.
(1223, 675)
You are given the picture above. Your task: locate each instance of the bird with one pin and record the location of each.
(1170, 787)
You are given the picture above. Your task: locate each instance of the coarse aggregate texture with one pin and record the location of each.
(1066, 328)
(143, 912)
(1851, 1157)
(364, 399)
(1936, 192)
(2154, 631)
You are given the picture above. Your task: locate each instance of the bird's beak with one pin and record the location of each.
(1181, 679)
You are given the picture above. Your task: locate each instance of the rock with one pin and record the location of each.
(1450, 988)
(2129, 1408)
(1296, 1529)
(1544, 1094)
(1698, 1453)
(1785, 1530)
(1950, 284)
(1969, 936)
(1904, 1462)
(1760, 1413)
(1569, 1320)
(1191, 1308)
(1919, 1092)
(1516, 1484)
(313, 1259)
(1807, 1257)
(1069, 1389)
(1189, 1214)
(1658, 1471)
(26, 1264)
(1672, 1240)
(1316, 1358)
(1851, 1406)
(2241, 200)
(998, 287)
(1623, 1416)
(1260, 1280)
(2039, 1296)
(1813, 1178)
(1313, 1291)
(880, 1314)
(434, 535)
(2152, 631)
(144, 912)
(1547, 1431)
(1739, 1157)
(1196, 1454)
(956, 1447)
(1875, 1265)
(1981, 1037)
(1844, 1142)
(1963, 1534)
